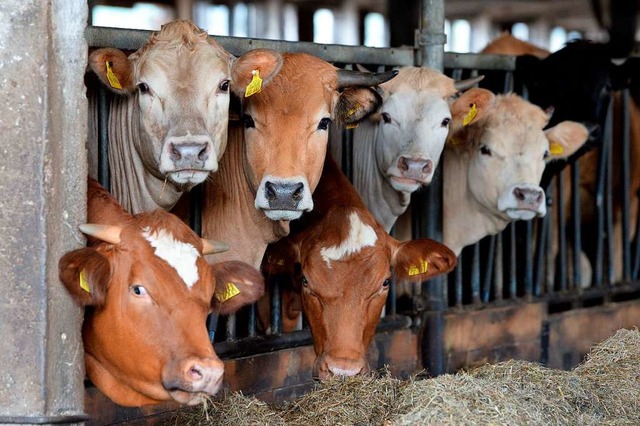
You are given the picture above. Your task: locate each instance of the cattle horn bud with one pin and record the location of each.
(468, 83)
(212, 247)
(107, 233)
(348, 78)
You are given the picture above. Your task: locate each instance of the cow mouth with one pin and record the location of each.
(188, 398)
(522, 214)
(188, 178)
(407, 184)
(287, 215)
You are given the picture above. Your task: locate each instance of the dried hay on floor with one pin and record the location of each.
(605, 389)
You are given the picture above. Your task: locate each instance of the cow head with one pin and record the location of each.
(178, 84)
(343, 270)
(501, 141)
(150, 290)
(286, 123)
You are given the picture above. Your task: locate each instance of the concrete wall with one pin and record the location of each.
(43, 114)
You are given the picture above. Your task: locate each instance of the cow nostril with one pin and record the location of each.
(270, 189)
(297, 194)
(402, 164)
(203, 154)
(175, 153)
(427, 167)
(519, 194)
(195, 374)
(539, 197)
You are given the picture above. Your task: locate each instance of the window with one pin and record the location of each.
(557, 39)
(460, 36)
(143, 16)
(290, 22)
(216, 20)
(323, 26)
(375, 30)
(520, 31)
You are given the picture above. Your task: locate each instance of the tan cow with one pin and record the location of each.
(506, 44)
(274, 158)
(168, 121)
(150, 290)
(340, 260)
(493, 162)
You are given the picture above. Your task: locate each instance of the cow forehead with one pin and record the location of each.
(179, 255)
(513, 137)
(358, 236)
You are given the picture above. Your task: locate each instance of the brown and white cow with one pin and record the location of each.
(340, 260)
(274, 157)
(397, 150)
(168, 121)
(150, 291)
(493, 162)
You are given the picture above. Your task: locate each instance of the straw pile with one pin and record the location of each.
(605, 389)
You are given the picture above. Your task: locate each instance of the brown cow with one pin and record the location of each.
(342, 260)
(506, 44)
(274, 160)
(150, 291)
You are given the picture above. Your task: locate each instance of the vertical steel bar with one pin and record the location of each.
(636, 251)
(600, 201)
(528, 255)
(609, 206)
(549, 255)
(488, 273)
(276, 308)
(251, 327)
(561, 257)
(347, 153)
(431, 54)
(576, 222)
(458, 285)
(540, 254)
(626, 195)
(513, 279)
(231, 327)
(475, 275)
(390, 305)
(499, 269)
(103, 102)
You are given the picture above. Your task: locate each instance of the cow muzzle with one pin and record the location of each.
(409, 173)
(283, 198)
(327, 366)
(193, 378)
(523, 202)
(188, 160)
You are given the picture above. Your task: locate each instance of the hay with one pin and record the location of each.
(605, 389)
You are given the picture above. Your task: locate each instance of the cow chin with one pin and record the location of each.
(522, 214)
(187, 179)
(405, 184)
(282, 214)
(188, 398)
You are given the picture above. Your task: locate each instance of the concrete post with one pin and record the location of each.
(43, 168)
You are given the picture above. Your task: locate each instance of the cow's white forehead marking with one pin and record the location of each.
(360, 235)
(180, 256)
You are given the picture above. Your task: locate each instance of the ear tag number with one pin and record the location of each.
(113, 80)
(555, 148)
(420, 269)
(255, 85)
(470, 115)
(230, 291)
(83, 282)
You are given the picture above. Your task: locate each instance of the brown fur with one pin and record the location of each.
(506, 44)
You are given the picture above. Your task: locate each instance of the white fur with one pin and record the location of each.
(360, 235)
(180, 256)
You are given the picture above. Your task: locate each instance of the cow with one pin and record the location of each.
(396, 150)
(275, 152)
(339, 261)
(493, 162)
(149, 290)
(506, 44)
(168, 119)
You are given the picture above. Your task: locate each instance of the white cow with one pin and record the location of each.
(493, 163)
(168, 121)
(397, 149)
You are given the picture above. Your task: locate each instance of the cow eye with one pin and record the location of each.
(484, 150)
(386, 117)
(248, 122)
(304, 281)
(138, 290)
(143, 87)
(386, 283)
(224, 85)
(324, 123)
(445, 122)
(546, 155)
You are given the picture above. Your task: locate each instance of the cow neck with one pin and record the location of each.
(466, 220)
(385, 202)
(135, 187)
(229, 213)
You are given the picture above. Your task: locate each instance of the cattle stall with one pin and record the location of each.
(507, 298)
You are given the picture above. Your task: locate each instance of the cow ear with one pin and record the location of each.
(280, 258)
(468, 109)
(113, 69)
(356, 104)
(422, 259)
(236, 284)
(86, 275)
(254, 70)
(565, 138)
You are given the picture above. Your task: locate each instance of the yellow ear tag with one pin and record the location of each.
(230, 291)
(113, 80)
(555, 148)
(255, 85)
(470, 115)
(351, 126)
(83, 282)
(420, 269)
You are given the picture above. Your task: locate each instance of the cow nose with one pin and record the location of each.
(528, 197)
(284, 196)
(196, 374)
(415, 168)
(343, 367)
(189, 151)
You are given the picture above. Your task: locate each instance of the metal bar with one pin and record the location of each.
(103, 103)
(626, 179)
(576, 222)
(458, 285)
(231, 327)
(251, 328)
(499, 269)
(609, 206)
(549, 255)
(476, 61)
(600, 213)
(195, 208)
(391, 298)
(475, 274)
(347, 153)
(45, 420)
(276, 307)
(636, 261)
(488, 273)
(561, 258)
(542, 250)
(528, 256)
(513, 279)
